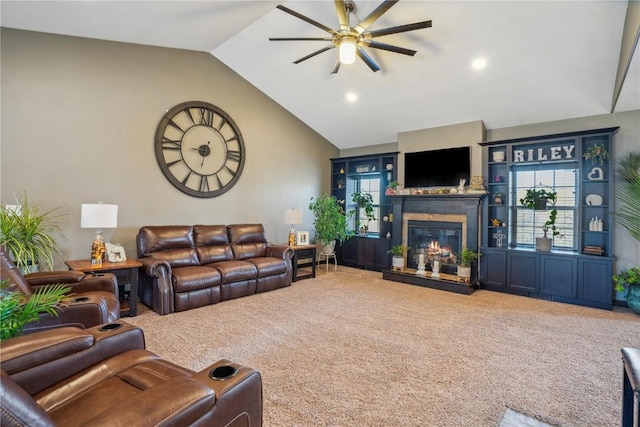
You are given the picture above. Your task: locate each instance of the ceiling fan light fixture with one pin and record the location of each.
(347, 48)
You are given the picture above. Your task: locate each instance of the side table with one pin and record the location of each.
(304, 262)
(125, 271)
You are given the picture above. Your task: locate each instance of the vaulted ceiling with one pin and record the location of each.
(546, 61)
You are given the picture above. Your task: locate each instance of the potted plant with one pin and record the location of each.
(465, 259)
(330, 222)
(597, 153)
(498, 198)
(537, 200)
(630, 279)
(364, 202)
(397, 261)
(30, 234)
(628, 193)
(391, 188)
(16, 309)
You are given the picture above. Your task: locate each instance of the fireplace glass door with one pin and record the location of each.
(435, 240)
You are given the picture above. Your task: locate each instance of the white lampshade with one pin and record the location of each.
(99, 216)
(293, 216)
(347, 50)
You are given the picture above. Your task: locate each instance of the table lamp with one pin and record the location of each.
(292, 216)
(98, 216)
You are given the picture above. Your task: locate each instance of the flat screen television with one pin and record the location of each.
(437, 168)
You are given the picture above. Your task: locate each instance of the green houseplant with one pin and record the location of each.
(30, 234)
(364, 202)
(597, 153)
(628, 216)
(630, 280)
(330, 220)
(397, 260)
(16, 309)
(465, 258)
(537, 200)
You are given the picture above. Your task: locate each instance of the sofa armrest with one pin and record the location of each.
(38, 360)
(77, 281)
(154, 267)
(280, 251)
(154, 285)
(81, 309)
(178, 401)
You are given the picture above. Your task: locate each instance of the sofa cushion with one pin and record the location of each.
(248, 240)
(178, 257)
(212, 243)
(235, 271)
(190, 278)
(268, 266)
(156, 238)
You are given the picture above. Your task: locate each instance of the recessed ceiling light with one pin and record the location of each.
(479, 63)
(352, 97)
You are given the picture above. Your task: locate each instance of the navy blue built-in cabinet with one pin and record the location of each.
(580, 276)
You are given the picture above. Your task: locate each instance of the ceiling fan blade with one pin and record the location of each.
(367, 59)
(336, 66)
(390, 48)
(341, 9)
(398, 29)
(311, 55)
(308, 20)
(284, 39)
(373, 16)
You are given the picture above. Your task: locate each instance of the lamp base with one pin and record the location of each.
(98, 249)
(292, 238)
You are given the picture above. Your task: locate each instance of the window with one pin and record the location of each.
(371, 185)
(526, 224)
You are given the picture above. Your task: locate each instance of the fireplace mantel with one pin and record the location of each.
(442, 204)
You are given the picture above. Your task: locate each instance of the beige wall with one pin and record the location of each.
(78, 122)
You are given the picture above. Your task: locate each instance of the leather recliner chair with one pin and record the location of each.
(93, 300)
(103, 376)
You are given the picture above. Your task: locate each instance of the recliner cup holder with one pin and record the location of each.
(81, 299)
(223, 372)
(110, 327)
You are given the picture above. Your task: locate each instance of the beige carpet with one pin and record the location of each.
(351, 349)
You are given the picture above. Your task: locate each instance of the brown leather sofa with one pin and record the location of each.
(103, 376)
(93, 299)
(186, 267)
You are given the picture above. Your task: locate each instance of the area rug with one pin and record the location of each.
(350, 349)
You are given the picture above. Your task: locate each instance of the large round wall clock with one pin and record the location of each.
(199, 149)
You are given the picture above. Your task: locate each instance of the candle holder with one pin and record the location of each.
(435, 266)
(421, 265)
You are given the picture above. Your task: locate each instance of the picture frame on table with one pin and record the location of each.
(302, 238)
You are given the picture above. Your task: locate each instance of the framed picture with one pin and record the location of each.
(115, 253)
(302, 238)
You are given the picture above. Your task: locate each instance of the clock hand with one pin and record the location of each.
(204, 152)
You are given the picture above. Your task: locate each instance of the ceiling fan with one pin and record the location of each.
(351, 41)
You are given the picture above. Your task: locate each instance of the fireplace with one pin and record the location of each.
(434, 240)
(438, 226)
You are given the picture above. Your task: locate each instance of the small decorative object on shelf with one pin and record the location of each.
(496, 222)
(498, 156)
(497, 178)
(477, 184)
(596, 174)
(498, 198)
(593, 250)
(391, 188)
(499, 236)
(597, 153)
(362, 169)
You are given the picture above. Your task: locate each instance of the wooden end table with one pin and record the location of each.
(301, 256)
(125, 271)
